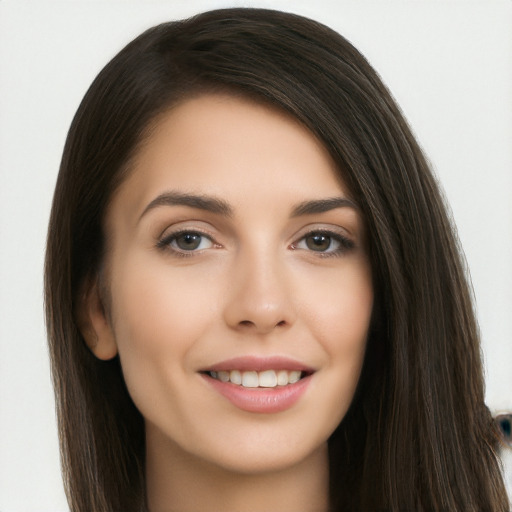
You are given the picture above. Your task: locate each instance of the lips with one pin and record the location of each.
(259, 364)
(260, 385)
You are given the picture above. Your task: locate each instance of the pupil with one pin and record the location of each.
(318, 242)
(188, 241)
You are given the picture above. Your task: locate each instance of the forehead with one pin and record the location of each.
(232, 148)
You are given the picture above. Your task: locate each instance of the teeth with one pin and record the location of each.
(223, 376)
(293, 377)
(282, 378)
(252, 379)
(268, 379)
(235, 377)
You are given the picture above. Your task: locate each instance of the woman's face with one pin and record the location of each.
(236, 253)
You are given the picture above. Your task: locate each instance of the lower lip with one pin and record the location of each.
(261, 400)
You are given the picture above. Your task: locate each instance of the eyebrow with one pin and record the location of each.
(221, 207)
(200, 202)
(322, 206)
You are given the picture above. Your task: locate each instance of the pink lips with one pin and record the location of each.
(260, 400)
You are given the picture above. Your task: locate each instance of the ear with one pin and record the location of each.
(94, 323)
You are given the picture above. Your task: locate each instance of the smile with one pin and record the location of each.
(253, 379)
(260, 385)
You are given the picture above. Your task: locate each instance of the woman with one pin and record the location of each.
(241, 205)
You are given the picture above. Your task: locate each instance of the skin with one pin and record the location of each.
(252, 287)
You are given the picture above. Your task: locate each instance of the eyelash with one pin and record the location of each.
(345, 244)
(165, 243)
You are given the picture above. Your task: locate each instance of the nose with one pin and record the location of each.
(259, 297)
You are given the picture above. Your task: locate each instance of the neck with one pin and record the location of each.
(178, 481)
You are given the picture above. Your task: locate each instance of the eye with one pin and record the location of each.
(324, 242)
(186, 241)
(320, 242)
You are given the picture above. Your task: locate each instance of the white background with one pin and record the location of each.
(448, 63)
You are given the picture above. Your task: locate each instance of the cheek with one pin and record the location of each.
(339, 309)
(157, 316)
(339, 313)
(149, 316)
(155, 304)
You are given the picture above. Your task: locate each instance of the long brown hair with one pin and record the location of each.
(418, 435)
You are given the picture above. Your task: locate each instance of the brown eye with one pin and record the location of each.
(318, 242)
(188, 241)
(324, 243)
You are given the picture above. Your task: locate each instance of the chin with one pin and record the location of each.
(260, 457)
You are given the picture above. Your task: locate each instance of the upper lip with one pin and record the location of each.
(259, 364)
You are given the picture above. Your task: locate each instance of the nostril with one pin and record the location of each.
(250, 323)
